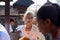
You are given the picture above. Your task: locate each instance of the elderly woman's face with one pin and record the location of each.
(29, 19)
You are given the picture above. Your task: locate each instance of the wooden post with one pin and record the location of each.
(7, 14)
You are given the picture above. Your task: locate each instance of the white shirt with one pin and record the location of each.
(11, 29)
(34, 34)
(3, 33)
(19, 28)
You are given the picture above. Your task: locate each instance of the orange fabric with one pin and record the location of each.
(24, 38)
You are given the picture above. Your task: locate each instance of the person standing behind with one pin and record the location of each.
(29, 30)
(11, 29)
(11, 25)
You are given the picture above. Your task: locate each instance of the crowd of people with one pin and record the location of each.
(47, 28)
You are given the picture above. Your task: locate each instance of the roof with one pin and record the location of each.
(23, 3)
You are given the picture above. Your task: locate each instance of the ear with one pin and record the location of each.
(47, 22)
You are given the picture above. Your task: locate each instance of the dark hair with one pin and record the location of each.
(50, 12)
(11, 20)
(58, 9)
(54, 4)
(58, 14)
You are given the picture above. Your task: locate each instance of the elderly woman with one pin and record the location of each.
(29, 30)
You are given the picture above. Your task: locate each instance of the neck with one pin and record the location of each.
(28, 27)
(54, 33)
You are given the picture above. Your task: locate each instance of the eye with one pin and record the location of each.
(29, 18)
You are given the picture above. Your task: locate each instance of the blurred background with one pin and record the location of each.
(15, 9)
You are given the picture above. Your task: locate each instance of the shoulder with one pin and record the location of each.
(2, 28)
(24, 26)
(19, 27)
(40, 36)
(34, 27)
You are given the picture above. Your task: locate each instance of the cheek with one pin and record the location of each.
(40, 25)
(43, 28)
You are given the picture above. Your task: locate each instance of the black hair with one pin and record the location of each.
(54, 4)
(58, 9)
(58, 14)
(12, 20)
(50, 12)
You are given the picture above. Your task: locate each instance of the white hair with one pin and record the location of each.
(34, 7)
(28, 12)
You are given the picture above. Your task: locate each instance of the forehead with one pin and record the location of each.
(29, 15)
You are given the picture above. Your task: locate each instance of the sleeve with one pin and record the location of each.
(19, 28)
(23, 32)
(39, 35)
(35, 28)
(4, 36)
